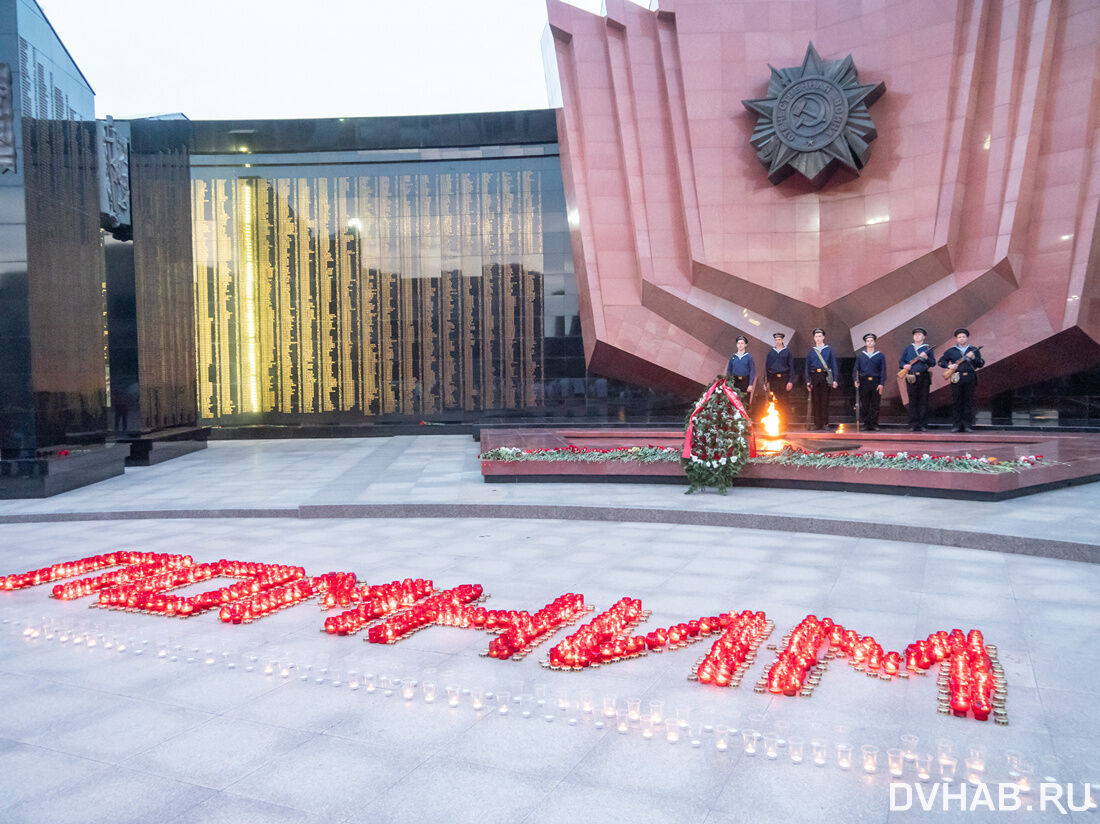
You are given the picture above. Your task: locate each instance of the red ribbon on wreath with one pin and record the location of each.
(736, 401)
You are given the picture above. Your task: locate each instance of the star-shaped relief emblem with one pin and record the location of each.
(814, 119)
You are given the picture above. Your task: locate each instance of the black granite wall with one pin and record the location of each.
(160, 180)
(67, 314)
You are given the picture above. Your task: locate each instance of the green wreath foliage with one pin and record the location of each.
(719, 441)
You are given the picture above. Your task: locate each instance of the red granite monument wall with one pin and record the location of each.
(977, 207)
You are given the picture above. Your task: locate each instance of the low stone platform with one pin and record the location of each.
(1077, 458)
(164, 445)
(62, 469)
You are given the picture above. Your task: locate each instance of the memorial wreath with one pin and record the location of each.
(718, 439)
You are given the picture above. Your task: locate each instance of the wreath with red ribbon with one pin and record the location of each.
(718, 439)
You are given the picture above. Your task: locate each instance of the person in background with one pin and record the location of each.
(821, 372)
(742, 367)
(779, 373)
(963, 362)
(869, 375)
(916, 362)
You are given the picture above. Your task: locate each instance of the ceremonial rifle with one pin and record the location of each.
(904, 371)
(951, 372)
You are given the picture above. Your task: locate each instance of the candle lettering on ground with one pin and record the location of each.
(377, 602)
(971, 680)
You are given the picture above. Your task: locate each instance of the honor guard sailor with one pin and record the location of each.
(869, 375)
(779, 373)
(962, 362)
(916, 369)
(742, 367)
(821, 372)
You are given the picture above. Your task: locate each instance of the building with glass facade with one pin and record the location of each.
(351, 275)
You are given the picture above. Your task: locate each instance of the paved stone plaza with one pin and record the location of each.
(111, 716)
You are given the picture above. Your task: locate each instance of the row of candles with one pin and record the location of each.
(82, 566)
(626, 717)
(376, 602)
(128, 574)
(147, 594)
(519, 631)
(735, 649)
(442, 608)
(974, 684)
(606, 639)
(603, 639)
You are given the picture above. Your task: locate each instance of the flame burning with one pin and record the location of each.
(771, 420)
(840, 429)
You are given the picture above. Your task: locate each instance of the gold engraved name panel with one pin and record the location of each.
(412, 292)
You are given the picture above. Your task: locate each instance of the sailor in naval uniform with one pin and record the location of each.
(966, 360)
(916, 362)
(869, 375)
(821, 374)
(779, 373)
(742, 368)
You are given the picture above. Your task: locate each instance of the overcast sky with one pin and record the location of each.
(213, 59)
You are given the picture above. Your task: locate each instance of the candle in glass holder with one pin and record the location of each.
(452, 695)
(656, 712)
(909, 746)
(721, 737)
(870, 758)
(771, 745)
(634, 710)
(672, 731)
(695, 734)
(502, 703)
(1025, 777)
(564, 701)
(795, 749)
(948, 763)
(975, 770)
(1051, 769)
(408, 689)
(1013, 759)
(609, 702)
(622, 722)
(587, 704)
(844, 756)
(924, 765)
(820, 753)
(894, 760)
(428, 690)
(748, 737)
(943, 748)
(477, 699)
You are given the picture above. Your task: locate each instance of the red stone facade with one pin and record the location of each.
(978, 205)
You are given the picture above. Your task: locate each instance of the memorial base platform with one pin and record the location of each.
(60, 469)
(1070, 459)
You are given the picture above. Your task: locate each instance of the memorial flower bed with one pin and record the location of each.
(793, 456)
(636, 454)
(789, 456)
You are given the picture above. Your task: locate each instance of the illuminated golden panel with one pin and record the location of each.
(368, 293)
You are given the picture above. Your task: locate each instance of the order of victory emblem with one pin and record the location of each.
(814, 119)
